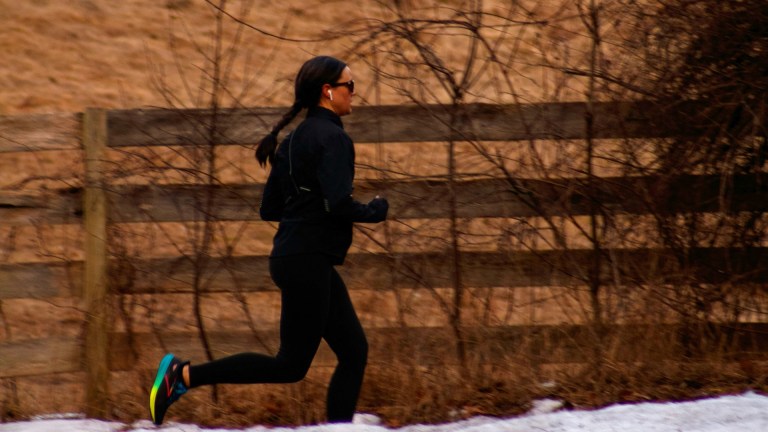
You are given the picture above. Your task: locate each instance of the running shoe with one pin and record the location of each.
(168, 387)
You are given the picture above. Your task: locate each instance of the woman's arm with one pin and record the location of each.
(336, 175)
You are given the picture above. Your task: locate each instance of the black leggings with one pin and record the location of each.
(315, 306)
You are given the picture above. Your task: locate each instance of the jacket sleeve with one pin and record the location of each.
(272, 200)
(335, 174)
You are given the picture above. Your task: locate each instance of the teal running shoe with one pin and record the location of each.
(168, 387)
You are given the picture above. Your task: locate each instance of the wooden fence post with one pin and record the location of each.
(95, 278)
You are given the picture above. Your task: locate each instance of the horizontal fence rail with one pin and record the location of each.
(401, 123)
(408, 270)
(424, 346)
(474, 198)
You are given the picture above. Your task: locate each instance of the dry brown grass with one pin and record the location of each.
(405, 391)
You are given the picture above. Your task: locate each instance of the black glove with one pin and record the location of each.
(380, 207)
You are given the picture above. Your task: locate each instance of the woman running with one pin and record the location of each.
(309, 192)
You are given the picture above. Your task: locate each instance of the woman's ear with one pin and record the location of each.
(326, 97)
(327, 91)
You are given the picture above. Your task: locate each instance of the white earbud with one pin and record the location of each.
(330, 94)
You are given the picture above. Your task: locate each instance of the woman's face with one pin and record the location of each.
(338, 98)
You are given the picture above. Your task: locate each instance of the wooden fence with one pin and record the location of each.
(99, 203)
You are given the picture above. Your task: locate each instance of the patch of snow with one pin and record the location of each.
(747, 412)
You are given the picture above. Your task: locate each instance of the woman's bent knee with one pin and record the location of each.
(294, 371)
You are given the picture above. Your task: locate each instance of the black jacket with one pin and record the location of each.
(309, 190)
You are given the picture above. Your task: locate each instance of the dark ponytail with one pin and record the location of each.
(314, 73)
(265, 151)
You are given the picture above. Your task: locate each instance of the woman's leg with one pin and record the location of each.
(304, 283)
(346, 338)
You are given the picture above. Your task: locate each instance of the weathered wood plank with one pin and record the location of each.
(414, 270)
(95, 280)
(39, 356)
(182, 202)
(36, 280)
(60, 206)
(153, 127)
(401, 123)
(475, 198)
(140, 127)
(437, 345)
(414, 199)
(38, 132)
(422, 345)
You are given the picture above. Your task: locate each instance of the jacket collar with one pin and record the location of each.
(325, 113)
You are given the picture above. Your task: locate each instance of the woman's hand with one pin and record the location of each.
(380, 207)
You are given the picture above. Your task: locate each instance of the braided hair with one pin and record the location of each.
(314, 73)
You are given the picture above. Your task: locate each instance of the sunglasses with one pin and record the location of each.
(349, 85)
